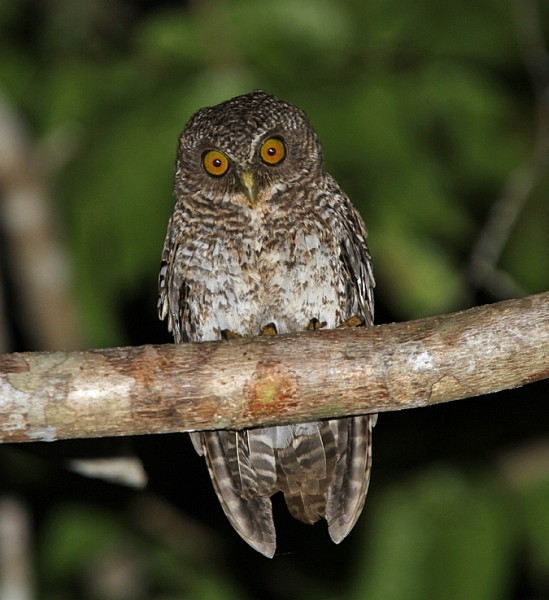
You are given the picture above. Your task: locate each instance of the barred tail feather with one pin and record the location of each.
(263, 460)
(349, 485)
(251, 518)
(306, 508)
(305, 470)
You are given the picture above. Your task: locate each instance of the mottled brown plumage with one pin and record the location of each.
(261, 235)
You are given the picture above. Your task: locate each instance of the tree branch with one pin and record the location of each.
(258, 381)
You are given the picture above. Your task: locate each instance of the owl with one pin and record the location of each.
(263, 241)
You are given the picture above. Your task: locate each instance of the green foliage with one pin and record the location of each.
(441, 535)
(94, 552)
(535, 500)
(444, 532)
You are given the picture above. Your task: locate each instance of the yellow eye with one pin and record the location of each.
(215, 163)
(273, 151)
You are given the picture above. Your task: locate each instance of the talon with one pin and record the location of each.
(354, 321)
(227, 334)
(314, 324)
(269, 329)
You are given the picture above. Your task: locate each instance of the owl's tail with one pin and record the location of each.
(251, 518)
(347, 491)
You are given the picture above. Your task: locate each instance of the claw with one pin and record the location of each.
(354, 321)
(269, 329)
(227, 334)
(314, 324)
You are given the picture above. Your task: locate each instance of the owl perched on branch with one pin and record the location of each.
(263, 241)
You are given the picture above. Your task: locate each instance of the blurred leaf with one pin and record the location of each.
(79, 545)
(270, 35)
(526, 256)
(535, 499)
(443, 535)
(172, 35)
(73, 536)
(481, 30)
(462, 114)
(416, 276)
(120, 198)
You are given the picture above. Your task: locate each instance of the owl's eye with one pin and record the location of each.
(215, 163)
(273, 151)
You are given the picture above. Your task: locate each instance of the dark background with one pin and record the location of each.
(434, 117)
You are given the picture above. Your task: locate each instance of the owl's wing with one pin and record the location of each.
(353, 435)
(166, 287)
(355, 258)
(357, 264)
(173, 291)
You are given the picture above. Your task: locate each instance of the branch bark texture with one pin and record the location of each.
(268, 380)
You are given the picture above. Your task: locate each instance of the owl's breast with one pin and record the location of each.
(226, 287)
(267, 268)
(299, 273)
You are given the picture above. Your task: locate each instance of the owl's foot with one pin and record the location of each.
(227, 334)
(354, 321)
(269, 329)
(314, 324)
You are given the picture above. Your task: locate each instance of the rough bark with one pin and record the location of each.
(259, 381)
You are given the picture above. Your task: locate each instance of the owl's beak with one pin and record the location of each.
(247, 179)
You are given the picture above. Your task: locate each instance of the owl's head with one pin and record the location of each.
(245, 148)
